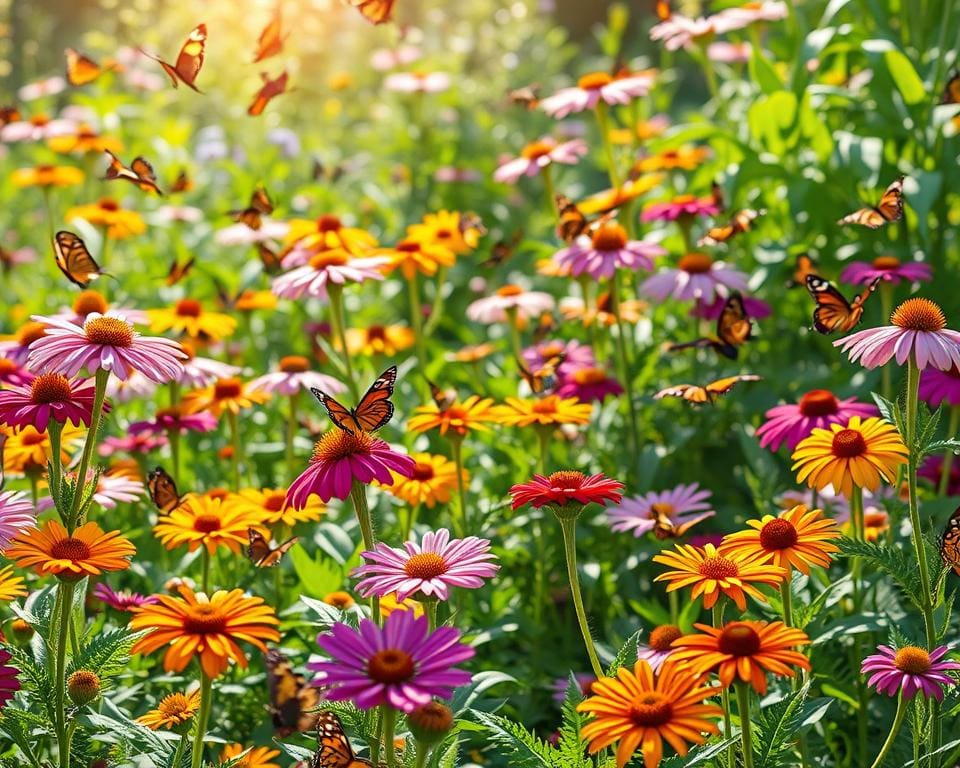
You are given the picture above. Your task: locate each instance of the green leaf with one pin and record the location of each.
(626, 655)
(905, 77)
(886, 407)
(524, 747)
(763, 73)
(777, 727)
(318, 576)
(890, 559)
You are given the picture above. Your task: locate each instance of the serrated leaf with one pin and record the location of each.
(524, 747)
(777, 726)
(626, 655)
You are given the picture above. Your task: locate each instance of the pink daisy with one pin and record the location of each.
(910, 670)
(575, 355)
(132, 444)
(123, 600)
(595, 87)
(681, 31)
(199, 372)
(791, 423)
(166, 420)
(428, 569)
(241, 234)
(49, 86)
(16, 514)
(685, 206)
(37, 129)
(889, 269)
(49, 396)
(116, 489)
(417, 82)
(696, 276)
(295, 376)
(12, 258)
(105, 342)
(333, 266)
(510, 300)
(13, 373)
(589, 384)
(657, 648)
(729, 53)
(606, 251)
(134, 387)
(937, 386)
(538, 155)
(684, 506)
(742, 16)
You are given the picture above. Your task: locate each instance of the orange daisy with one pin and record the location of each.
(411, 256)
(47, 176)
(433, 480)
(119, 222)
(173, 712)
(210, 522)
(229, 394)
(545, 411)
(448, 229)
(474, 413)
(87, 552)
(189, 317)
(379, 340)
(11, 585)
(256, 757)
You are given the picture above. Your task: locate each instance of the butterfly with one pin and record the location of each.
(183, 183)
(708, 393)
(833, 312)
(805, 266)
(442, 398)
(333, 746)
(178, 271)
(74, 260)
(471, 221)
(528, 96)
(140, 172)
(717, 196)
(9, 114)
(163, 490)
(889, 209)
(269, 258)
(320, 171)
(260, 552)
(665, 528)
(189, 60)
(269, 90)
(544, 379)
(375, 11)
(81, 69)
(663, 10)
(372, 412)
(503, 250)
(951, 93)
(291, 697)
(260, 205)
(733, 330)
(950, 542)
(573, 222)
(270, 42)
(741, 222)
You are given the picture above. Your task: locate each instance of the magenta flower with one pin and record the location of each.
(889, 269)
(588, 384)
(754, 308)
(16, 514)
(123, 600)
(696, 276)
(49, 396)
(606, 251)
(932, 470)
(169, 419)
(686, 206)
(199, 372)
(937, 386)
(105, 342)
(403, 664)
(12, 373)
(323, 268)
(295, 376)
(538, 155)
(341, 458)
(909, 670)
(789, 424)
(918, 330)
(133, 444)
(683, 506)
(574, 355)
(595, 87)
(510, 300)
(9, 684)
(428, 569)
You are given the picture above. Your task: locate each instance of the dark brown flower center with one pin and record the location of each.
(778, 534)
(50, 388)
(662, 637)
(818, 402)
(89, 301)
(919, 315)
(609, 237)
(70, 549)
(425, 565)
(717, 567)
(848, 443)
(274, 502)
(651, 710)
(294, 364)
(695, 263)
(227, 389)
(913, 660)
(188, 308)
(204, 619)
(328, 223)
(391, 666)
(423, 471)
(109, 332)
(106, 204)
(408, 246)
(376, 333)
(433, 717)
(206, 523)
(739, 640)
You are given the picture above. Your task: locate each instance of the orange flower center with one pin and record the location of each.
(339, 444)
(176, 705)
(50, 388)
(609, 237)
(328, 223)
(848, 443)
(886, 262)
(544, 406)
(683, 199)
(778, 534)
(33, 438)
(818, 402)
(109, 331)
(274, 502)
(651, 710)
(70, 549)
(7, 366)
(206, 523)
(717, 567)
(696, 263)
(29, 333)
(218, 493)
(423, 471)
(739, 640)
(425, 565)
(338, 600)
(509, 290)
(567, 479)
(603, 302)
(408, 246)
(662, 637)
(594, 80)
(537, 149)
(391, 666)
(39, 121)
(433, 717)
(227, 389)
(89, 301)
(919, 315)
(376, 333)
(326, 259)
(204, 619)
(912, 660)
(188, 349)
(590, 376)
(188, 308)
(83, 681)
(106, 204)
(294, 364)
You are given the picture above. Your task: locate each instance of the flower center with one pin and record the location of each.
(739, 640)
(391, 666)
(717, 567)
(188, 308)
(174, 706)
(38, 121)
(109, 331)
(610, 237)
(29, 333)
(408, 246)
(848, 443)
(661, 509)
(912, 660)
(590, 376)
(778, 534)
(339, 444)
(433, 717)
(886, 262)
(377, 333)
(696, 263)
(50, 388)
(274, 502)
(651, 710)
(338, 600)
(70, 549)
(537, 149)
(684, 199)
(326, 259)
(203, 619)
(594, 80)
(227, 389)
(425, 565)
(662, 637)
(294, 364)
(509, 290)
(547, 405)
(328, 223)
(919, 315)
(33, 438)
(106, 204)
(89, 301)
(84, 681)
(818, 402)
(567, 479)
(206, 523)
(7, 366)
(443, 234)
(423, 471)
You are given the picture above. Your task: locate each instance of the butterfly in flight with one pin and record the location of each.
(543, 379)
(333, 746)
(665, 528)
(292, 697)
(269, 90)
(269, 258)
(260, 552)
(140, 172)
(189, 60)
(951, 93)
(178, 271)
(442, 398)
(74, 260)
(888, 210)
(374, 11)
(833, 312)
(183, 182)
(734, 329)
(271, 39)
(503, 250)
(528, 96)
(950, 542)
(740, 223)
(663, 10)
(259, 206)
(163, 490)
(573, 222)
(805, 265)
(372, 412)
(81, 69)
(708, 393)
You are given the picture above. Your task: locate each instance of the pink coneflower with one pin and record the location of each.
(681, 31)
(12, 258)
(593, 88)
(937, 386)
(13, 373)
(334, 266)
(49, 86)
(696, 276)
(723, 52)
(16, 347)
(123, 600)
(428, 569)
(49, 396)
(417, 82)
(588, 384)
(389, 58)
(538, 155)
(135, 387)
(510, 300)
(910, 670)
(666, 513)
(657, 648)
(241, 234)
(295, 376)
(37, 128)
(132, 444)
(584, 681)
(16, 515)
(9, 684)
(105, 342)
(203, 371)
(168, 419)
(686, 206)
(791, 423)
(575, 355)
(711, 310)
(116, 489)
(340, 458)
(605, 251)
(918, 330)
(742, 16)
(88, 301)
(566, 488)
(403, 664)
(889, 269)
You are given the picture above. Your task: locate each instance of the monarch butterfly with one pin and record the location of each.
(833, 312)
(733, 330)
(333, 746)
(189, 60)
(74, 260)
(950, 542)
(81, 69)
(269, 258)
(183, 182)
(260, 205)
(442, 398)
(573, 222)
(270, 42)
(163, 490)
(260, 552)
(741, 222)
(178, 271)
(140, 172)
(528, 96)
(804, 266)
(269, 90)
(503, 250)
(708, 393)
(372, 412)
(889, 209)
(544, 379)
(291, 697)
(375, 11)
(951, 93)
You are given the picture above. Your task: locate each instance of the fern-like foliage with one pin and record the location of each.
(777, 728)
(892, 560)
(524, 748)
(626, 656)
(106, 653)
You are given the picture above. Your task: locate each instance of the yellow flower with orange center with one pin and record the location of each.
(326, 233)
(84, 140)
(119, 222)
(433, 480)
(11, 585)
(609, 199)
(685, 158)
(644, 130)
(173, 711)
(189, 317)
(447, 229)
(88, 551)
(379, 340)
(210, 522)
(340, 81)
(472, 353)
(389, 604)
(268, 504)
(474, 413)
(413, 256)
(250, 300)
(256, 757)
(27, 451)
(230, 394)
(551, 410)
(47, 176)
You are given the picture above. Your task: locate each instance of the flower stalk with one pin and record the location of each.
(568, 524)
(894, 730)
(206, 691)
(746, 735)
(99, 393)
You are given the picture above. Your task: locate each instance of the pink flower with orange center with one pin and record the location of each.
(595, 87)
(538, 155)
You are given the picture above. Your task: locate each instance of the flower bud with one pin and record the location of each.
(430, 723)
(83, 686)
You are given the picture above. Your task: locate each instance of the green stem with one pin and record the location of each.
(99, 392)
(431, 609)
(624, 361)
(389, 726)
(547, 174)
(206, 686)
(743, 709)
(234, 429)
(886, 304)
(673, 599)
(292, 426)
(54, 430)
(717, 617)
(568, 524)
(952, 429)
(48, 206)
(337, 324)
(513, 322)
(787, 599)
(461, 524)
(543, 441)
(358, 495)
(436, 308)
(856, 520)
(894, 729)
(60, 670)
(416, 321)
(178, 755)
(603, 120)
(423, 750)
(205, 571)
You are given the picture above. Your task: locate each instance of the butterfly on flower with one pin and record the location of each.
(372, 412)
(333, 746)
(269, 90)
(805, 265)
(74, 260)
(543, 379)
(140, 172)
(260, 205)
(163, 490)
(271, 39)
(734, 329)
(741, 222)
(708, 393)
(189, 60)
(260, 552)
(573, 222)
(81, 69)
(374, 11)
(442, 398)
(528, 96)
(178, 271)
(503, 250)
(950, 542)
(833, 312)
(888, 210)
(292, 697)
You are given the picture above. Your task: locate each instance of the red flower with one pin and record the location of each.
(563, 488)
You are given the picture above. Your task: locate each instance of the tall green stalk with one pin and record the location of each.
(206, 691)
(568, 524)
(603, 120)
(894, 729)
(292, 427)
(717, 617)
(746, 736)
(358, 495)
(626, 375)
(99, 393)
(461, 525)
(339, 334)
(65, 604)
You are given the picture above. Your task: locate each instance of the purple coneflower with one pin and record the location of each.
(595, 87)
(114, 489)
(49, 396)
(588, 384)
(538, 155)
(9, 684)
(937, 386)
(696, 276)
(657, 648)
(16, 514)
(333, 266)
(889, 269)
(682, 506)
(682, 206)
(789, 424)
(909, 670)
(13, 373)
(124, 600)
(167, 419)
(510, 299)
(606, 251)
(132, 444)
(199, 372)
(295, 376)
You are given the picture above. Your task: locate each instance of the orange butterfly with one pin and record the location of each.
(734, 329)
(140, 172)
(528, 96)
(292, 697)
(375, 11)
(741, 222)
(333, 746)
(833, 312)
(805, 266)
(697, 395)
(269, 90)
(443, 398)
(74, 260)
(888, 210)
(372, 412)
(544, 379)
(951, 93)
(163, 490)
(269, 258)
(9, 114)
(270, 42)
(189, 60)
(178, 271)
(950, 542)
(183, 183)
(260, 552)
(81, 69)
(573, 222)
(260, 205)
(503, 250)
(663, 10)
(665, 528)
(716, 194)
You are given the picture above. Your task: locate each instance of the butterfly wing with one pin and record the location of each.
(260, 201)
(717, 235)
(889, 209)
(182, 183)
(339, 414)
(741, 222)
(734, 327)
(375, 409)
(527, 96)
(722, 386)
(442, 398)
(333, 746)
(951, 93)
(117, 170)
(689, 392)
(144, 175)
(163, 490)
(81, 69)
(270, 90)
(190, 58)
(804, 266)
(572, 223)
(269, 258)
(178, 271)
(950, 542)
(291, 697)
(719, 199)
(832, 312)
(375, 11)
(662, 9)
(74, 260)
(258, 550)
(270, 42)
